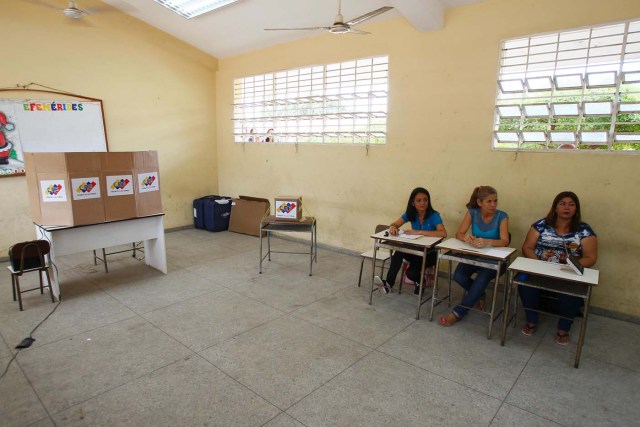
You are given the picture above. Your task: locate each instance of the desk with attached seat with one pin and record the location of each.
(552, 277)
(419, 247)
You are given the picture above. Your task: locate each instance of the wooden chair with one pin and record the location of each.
(26, 257)
(382, 255)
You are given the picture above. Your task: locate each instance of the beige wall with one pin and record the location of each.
(159, 94)
(442, 92)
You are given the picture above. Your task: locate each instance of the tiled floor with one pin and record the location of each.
(215, 343)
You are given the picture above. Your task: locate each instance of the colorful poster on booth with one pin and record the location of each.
(85, 188)
(53, 190)
(148, 181)
(119, 185)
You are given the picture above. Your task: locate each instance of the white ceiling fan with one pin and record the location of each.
(74, 12)
(339, 26)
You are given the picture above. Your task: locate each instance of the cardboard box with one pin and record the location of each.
(246, 214)
(64, 188)
(147, 174)
(288, 208)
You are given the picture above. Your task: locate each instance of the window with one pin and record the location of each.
(576, 89)
(342, 103)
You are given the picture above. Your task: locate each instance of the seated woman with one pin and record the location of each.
(549, 239)
(425, 221)
(483, 225)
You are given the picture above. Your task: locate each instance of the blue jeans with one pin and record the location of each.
(474, 287)
(566, 306)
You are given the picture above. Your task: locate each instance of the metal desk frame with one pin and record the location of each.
(555, 278)
(419, 247)
(454, 250)
(306, 225)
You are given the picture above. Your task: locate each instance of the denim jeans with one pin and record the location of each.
(565, 306)
(474, 287)
(415, 266)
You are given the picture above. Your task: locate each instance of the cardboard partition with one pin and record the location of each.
(288, 208)
(117, 177)
(246, 214)
(147, 174)
(64, 188)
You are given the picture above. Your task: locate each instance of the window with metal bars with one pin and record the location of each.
(577, 89)
(341, 103)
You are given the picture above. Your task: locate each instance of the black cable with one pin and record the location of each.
(30, 337)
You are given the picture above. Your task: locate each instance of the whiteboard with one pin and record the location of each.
(48, 126)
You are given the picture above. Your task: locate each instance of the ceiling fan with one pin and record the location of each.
(341, 27)
(74, 12)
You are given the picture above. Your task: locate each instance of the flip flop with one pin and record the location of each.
(528, 329)
(448, 320)
(562, 339)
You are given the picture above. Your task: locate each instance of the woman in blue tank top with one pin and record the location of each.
(483, 225)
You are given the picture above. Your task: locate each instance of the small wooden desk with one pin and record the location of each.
(71, 240)
(493, 258)
(552, 277)
(419, 247)
(306, 225)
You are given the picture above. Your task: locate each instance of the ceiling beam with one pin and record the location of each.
(424, 15)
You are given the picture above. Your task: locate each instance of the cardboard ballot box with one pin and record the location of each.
(65, 188)
(288, 208)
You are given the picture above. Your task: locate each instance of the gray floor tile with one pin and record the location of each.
(337, 267)
(596, 394)
(161, 398)
(283, 420)
(612, 341)
(382, 391)
(207, 320)
(463, 354)
(285, 360)
(511, 416)
(289, 289)
(19, 405)
(156, 290)
(235, 269)
(349, 314)
(69, 371)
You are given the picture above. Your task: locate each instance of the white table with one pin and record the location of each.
(559, 278)
(493, 258)
(70, 240)
(419, 247)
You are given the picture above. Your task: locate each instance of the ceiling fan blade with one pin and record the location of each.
(354, 31)
(286, 29)
(369, 15)
(79, 23)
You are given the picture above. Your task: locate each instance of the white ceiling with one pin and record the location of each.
(239, 27)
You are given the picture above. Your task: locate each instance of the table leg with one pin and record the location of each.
(424, 265)
(311, 246)
(583, 328)
(505, 320)
(373, 268)
(434, 295)
(493, 300)
(261, 258)
(449, 291)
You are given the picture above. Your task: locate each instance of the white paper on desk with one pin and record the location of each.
(409, 236)
(485, 251)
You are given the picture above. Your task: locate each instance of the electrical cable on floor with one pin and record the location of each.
(26, 343)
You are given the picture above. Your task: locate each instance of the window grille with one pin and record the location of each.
(572, 89)
(344, 102)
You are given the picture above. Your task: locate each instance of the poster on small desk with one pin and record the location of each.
(47, 126)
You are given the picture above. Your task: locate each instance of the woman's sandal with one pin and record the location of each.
(481, 303)
(448, 320)
(528, 329)
(562, 339)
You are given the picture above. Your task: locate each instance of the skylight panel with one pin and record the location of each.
(192, 8)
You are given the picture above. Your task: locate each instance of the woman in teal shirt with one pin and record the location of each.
(425, 221)
(489, 226)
